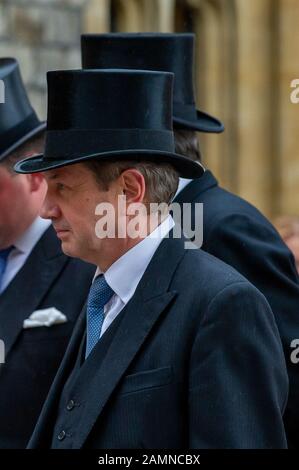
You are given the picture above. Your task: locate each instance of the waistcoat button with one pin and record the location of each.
(61, 435)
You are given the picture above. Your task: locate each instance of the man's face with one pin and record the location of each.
(14, 205)
(70, 203)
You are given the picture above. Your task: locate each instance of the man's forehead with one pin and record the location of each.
(70, 171)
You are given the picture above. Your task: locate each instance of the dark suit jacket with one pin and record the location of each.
(47, 279)
(195, 361)
(237, 233)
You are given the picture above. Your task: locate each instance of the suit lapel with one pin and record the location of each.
(150, 300)
(137, 322)
(196, 187)
(27, 290)
(127, 341)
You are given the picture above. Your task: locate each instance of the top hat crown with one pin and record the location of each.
(109, 114)
(18, 120)
(153, 51)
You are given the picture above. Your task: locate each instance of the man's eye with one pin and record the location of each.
(60, 186)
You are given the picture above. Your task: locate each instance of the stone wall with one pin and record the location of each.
(43, 35)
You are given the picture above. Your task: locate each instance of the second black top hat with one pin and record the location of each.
(153, 51)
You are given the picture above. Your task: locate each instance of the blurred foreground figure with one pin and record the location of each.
(41, 290)
(233, 230)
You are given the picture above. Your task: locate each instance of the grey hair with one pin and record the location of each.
(161, 179)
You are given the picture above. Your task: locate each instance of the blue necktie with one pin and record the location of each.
(100, 293)
(3, 261)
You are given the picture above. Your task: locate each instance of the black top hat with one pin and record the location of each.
(153, 51)
(109, 114)
(18, 121)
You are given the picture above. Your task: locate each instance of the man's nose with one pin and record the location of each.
(49, 210)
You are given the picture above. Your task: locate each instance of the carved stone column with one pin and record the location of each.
(97, 16)
(288, 115)
(255, 117)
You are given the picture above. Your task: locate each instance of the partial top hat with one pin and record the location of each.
(109, 115)
(18, 120)
(153, 51)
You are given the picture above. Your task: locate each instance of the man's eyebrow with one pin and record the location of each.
(53, 177)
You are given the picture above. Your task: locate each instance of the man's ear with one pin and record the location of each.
(36, 181)
(133, 185)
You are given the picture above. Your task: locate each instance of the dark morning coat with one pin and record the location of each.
(237, 233)
(47, 279)
(194, 360)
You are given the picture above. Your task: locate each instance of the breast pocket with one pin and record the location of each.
(146, 379)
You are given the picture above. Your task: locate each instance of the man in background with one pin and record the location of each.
(233, 230)
(42, 291)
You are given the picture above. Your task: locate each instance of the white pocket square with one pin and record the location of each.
(45, 317)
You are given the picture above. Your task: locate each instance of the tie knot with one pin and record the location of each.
(100, 292)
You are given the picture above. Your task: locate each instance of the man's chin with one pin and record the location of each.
(71, 251)
(67, 249)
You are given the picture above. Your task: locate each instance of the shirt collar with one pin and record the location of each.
(182, 184)
(124, 274)
(26, 242)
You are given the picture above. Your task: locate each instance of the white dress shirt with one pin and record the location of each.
(182, 184)
(22, 249)
(124, 274)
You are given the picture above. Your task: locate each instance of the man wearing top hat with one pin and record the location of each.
(41, 290)
(233, 230)
(162, 356)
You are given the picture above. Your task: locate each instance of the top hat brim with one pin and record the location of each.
(34, 132)
(203, 123)
(186, 168)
